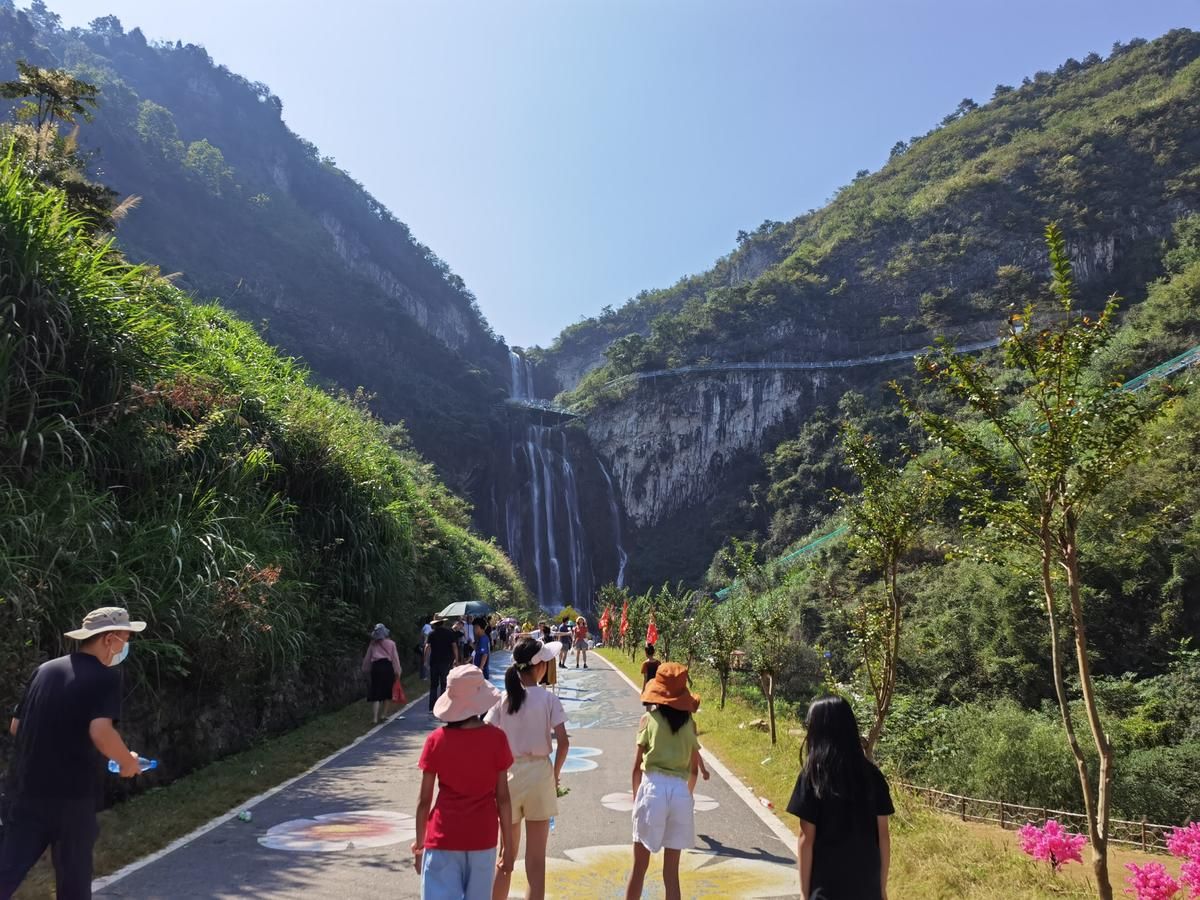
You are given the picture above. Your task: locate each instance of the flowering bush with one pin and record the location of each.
(1051, 843)
(1150, 882)
(1185, 843)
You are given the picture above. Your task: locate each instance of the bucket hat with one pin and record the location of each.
(669, 687)
(107, 618)
(467, 694)
(379, 632)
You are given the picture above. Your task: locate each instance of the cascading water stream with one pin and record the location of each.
(615, 511)
(543, 517)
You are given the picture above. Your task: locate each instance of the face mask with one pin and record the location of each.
(120, 657)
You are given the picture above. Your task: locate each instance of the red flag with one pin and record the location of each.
(606, 618)
(651, 631)
(624, 617)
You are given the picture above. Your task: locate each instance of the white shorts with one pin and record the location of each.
(663, 813)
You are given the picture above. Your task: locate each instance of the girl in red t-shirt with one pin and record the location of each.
(455, 848)
(581, 638)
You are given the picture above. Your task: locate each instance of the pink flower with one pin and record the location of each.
(1185, 842)
(1190, 876)
(1051, 843)
(1150, 882)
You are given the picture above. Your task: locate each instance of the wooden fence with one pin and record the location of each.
(1148, 836)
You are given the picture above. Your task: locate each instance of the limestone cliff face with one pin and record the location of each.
(445, 322)
(668, 443)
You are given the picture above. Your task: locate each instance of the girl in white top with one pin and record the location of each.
(529, 715)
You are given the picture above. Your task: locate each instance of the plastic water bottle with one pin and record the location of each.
(146, 765)
(552, 823)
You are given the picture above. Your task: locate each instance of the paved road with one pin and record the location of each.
(343, 831)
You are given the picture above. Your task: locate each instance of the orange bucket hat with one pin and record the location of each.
(669, 687)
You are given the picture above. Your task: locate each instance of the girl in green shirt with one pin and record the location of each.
(668, 753)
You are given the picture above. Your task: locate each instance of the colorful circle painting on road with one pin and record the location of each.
(622, 801)
(341, 831)
(579, 759)
(600, 872)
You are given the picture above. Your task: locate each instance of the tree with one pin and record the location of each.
(886, 518)
(49, 96)
(207, 164)
(768, 647)
(1028, 466)
(156, 127)
(670, 608)
(898, 149)
(724, 632)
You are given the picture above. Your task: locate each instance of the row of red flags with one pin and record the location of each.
(606, 624)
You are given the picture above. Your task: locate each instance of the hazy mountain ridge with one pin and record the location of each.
(248, 211)
(949, 230)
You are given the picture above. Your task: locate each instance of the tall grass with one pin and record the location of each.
(156, 454)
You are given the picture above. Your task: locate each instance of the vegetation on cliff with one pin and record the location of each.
(947, 232)
(248, 211)
(158, 455)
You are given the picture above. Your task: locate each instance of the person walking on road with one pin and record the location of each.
(65, 729)
(842, 800)
(441, 652)
(581, 641)
(649, 665)
(382, 665)
(529, 715)
(668, 752)
(564, 636)
(483, 646)
(455, 848)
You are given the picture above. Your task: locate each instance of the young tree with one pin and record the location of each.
(722, 633)
(695, 631)
(670, 615)
(768, 647)
(1028, 466)
(885, 519)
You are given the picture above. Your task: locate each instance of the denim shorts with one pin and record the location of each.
(457, 874)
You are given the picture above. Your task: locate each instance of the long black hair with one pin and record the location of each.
(523, 653)
(834, 761)
(676, 718)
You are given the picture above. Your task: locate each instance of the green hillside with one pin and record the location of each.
(947, 232)
(158, 455)
(246, 210)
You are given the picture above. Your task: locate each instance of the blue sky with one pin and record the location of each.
(562, 155)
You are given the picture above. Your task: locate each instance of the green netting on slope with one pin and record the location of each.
(1162, 370)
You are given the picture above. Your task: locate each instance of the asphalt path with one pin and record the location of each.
(343, 830)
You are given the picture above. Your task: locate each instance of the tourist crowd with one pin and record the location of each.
(496, 763)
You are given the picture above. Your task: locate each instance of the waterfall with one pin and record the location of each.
(521, 376)
(544, 528)
(622, 556)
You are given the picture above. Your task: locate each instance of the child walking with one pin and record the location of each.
(455, 848)
(668, 752)
(843, 803)
(528, 715)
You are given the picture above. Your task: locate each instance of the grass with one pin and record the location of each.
(152, 820)
(934, 856)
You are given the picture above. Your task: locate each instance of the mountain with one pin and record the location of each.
(944, 240)
(246, 210)
(156, 454)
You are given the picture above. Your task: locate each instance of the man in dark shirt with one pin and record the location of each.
(483, 646)
(441, 651)
(64, 730)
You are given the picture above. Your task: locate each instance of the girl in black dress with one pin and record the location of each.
(843, 804)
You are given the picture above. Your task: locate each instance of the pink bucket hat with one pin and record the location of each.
(467, 694)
